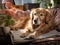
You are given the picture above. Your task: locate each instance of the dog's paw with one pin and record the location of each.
(32, 37)
(24, 35)
(29, 38)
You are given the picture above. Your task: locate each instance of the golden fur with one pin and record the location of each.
(42, 22)
(46, 21)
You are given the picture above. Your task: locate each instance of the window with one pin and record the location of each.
(22, 2)
(18, 2)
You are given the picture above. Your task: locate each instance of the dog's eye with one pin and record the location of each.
(34, 13)
(41, 14)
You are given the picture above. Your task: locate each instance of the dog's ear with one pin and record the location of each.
(48, 16)
(31, 14)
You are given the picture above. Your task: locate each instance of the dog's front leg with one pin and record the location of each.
(33, 35)
(24, 33)
(30, 27)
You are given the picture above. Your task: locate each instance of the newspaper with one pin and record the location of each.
(17, 38)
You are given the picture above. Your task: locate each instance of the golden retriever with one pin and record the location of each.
(42, 22)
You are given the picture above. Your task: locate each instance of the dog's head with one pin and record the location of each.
(40, 15)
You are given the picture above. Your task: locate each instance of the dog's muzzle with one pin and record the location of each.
(36, 21)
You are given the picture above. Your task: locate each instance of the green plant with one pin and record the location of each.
(2, 19)
(38, 1)
(50, 5)
(9, 17)
(9, 21)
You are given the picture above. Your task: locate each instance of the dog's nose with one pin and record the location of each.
(35, 21)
